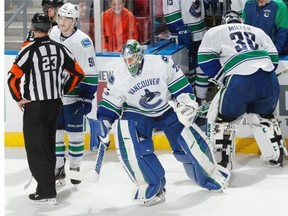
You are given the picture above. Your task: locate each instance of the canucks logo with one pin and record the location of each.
(267, 13)
(86, 42)
(195, 9)
(147, 99)
(111, 79)
(165, 59)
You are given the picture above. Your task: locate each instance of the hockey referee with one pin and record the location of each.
(49, 70)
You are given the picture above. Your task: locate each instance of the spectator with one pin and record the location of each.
(118, 25)
(49, 70)
(272, 17)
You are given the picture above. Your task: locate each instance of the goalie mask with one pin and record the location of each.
(41, 23)
(133, 54)
(231, 17)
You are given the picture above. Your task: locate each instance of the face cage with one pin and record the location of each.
(132, 66)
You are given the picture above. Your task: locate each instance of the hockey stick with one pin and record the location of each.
(282, 73)
(90, 175)
(97, 129)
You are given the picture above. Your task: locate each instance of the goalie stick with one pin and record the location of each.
(282, 73)
(97, 129)
(90, 175)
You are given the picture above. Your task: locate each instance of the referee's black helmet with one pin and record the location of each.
(41, 23)
(52, 3)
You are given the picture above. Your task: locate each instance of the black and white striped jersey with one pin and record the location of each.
(49, 68)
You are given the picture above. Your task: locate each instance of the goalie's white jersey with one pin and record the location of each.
(147, 93)
(240, 49)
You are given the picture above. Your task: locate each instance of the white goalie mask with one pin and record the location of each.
(133, 54)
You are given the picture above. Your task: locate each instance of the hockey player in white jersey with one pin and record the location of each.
(139, 92)
(186, 21)
(79, 102)
(247, 58)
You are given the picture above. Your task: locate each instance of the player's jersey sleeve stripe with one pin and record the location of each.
(178, 85)
(109, 109)
(206, 57)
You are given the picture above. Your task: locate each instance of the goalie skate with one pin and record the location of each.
(159, 198)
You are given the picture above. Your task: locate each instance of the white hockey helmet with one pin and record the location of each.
(69, 10)
(133, 54)
(231, 17)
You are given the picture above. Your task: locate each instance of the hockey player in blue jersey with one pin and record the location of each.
(140, 91)
(247, 58)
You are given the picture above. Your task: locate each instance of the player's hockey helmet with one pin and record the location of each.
(133, 54)
(231, 17)
(52, 3)
(69, 10)
(40, 22)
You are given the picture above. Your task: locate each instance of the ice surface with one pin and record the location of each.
(255, 189)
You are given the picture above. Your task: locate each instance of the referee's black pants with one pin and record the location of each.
(40, 120)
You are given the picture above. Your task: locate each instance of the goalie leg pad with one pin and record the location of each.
(202, 167)
(223, 138)
(265, 133)
(138, 159)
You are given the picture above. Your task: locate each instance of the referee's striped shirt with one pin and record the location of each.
(50, 71)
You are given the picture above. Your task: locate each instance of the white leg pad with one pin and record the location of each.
(263, 135)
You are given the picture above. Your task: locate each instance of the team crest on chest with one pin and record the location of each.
(149, 99)
(267, 13)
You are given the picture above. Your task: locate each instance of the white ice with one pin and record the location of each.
(255, 189)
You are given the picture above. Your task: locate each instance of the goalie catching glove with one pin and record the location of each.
(186, 108)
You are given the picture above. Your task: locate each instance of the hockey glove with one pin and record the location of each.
(184, 36)
(83, 106)
(99, 132)
(186, 108)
